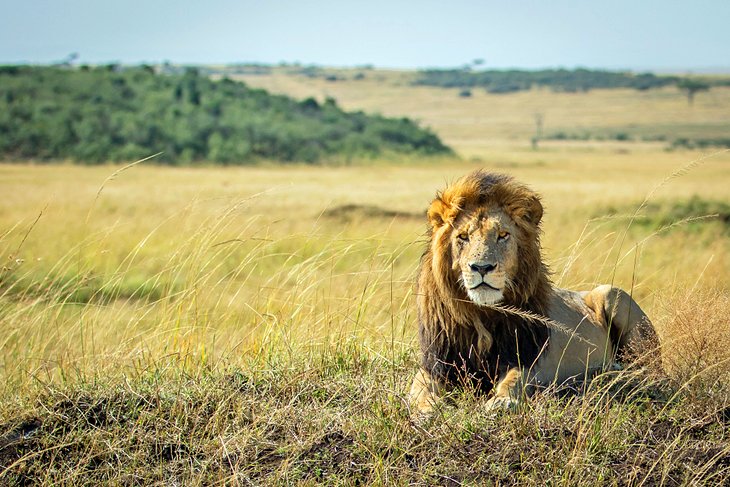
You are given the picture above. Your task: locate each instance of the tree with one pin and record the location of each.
(691, 86)
(538, 130)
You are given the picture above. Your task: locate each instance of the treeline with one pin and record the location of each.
(98, 114)
(507, 81)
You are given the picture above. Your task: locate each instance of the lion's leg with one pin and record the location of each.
(425, 392)
(508, 391)
(627, 323)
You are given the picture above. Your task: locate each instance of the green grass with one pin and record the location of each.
(703, 217)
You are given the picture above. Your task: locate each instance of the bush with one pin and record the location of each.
(508, 81)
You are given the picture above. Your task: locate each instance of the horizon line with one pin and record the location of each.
(716, 69)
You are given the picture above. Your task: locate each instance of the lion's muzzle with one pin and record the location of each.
(483, 282)
(482, 269)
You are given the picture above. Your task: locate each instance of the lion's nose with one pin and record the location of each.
(482, 269)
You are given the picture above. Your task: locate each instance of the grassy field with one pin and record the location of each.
(197, 326)
(487, 125)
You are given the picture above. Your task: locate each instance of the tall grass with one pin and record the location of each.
(231, 330)
(217, 293)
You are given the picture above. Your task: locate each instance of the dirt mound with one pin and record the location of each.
(354, 211)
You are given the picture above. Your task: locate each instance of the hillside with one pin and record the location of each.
(101, 114)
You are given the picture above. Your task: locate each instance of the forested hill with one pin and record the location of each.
(99, 114)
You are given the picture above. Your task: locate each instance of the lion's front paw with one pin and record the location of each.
(502, 403)
(422, 418)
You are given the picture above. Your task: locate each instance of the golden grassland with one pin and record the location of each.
(487, 124)
(218, 261)
(230, 325)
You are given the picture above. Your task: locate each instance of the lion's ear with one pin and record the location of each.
(437, 212)
(534, 210)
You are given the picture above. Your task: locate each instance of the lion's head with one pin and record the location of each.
(485, 246)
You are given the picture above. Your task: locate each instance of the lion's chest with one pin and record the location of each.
(464, 360)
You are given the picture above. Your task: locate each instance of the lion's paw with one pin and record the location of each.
(422, 418)
(502, 403)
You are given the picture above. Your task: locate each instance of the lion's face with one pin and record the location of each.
(484, 254)
(485, 243)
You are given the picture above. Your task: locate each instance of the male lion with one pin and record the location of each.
(488, 314)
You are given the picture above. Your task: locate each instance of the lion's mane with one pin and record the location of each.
(462, 342)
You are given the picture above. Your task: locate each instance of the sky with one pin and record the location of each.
(667, 35)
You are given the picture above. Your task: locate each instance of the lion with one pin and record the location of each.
(488, 313)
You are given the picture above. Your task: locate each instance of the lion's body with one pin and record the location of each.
(488, 314)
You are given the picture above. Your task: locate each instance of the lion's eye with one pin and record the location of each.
(463, 236)
(503, 235)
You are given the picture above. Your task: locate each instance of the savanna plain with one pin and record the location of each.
(257, 325)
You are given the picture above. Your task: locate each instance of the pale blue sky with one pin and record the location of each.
(633, 34)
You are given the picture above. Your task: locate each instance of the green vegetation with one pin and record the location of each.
(677, 135)
(311, 71)
(507, 81)
(690, 214)
(701, 143)
(691, 86)
(101, 114)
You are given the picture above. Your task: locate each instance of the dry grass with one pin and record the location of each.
(257, 325)
(342, 420)
(696, 330)
(486, 125)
